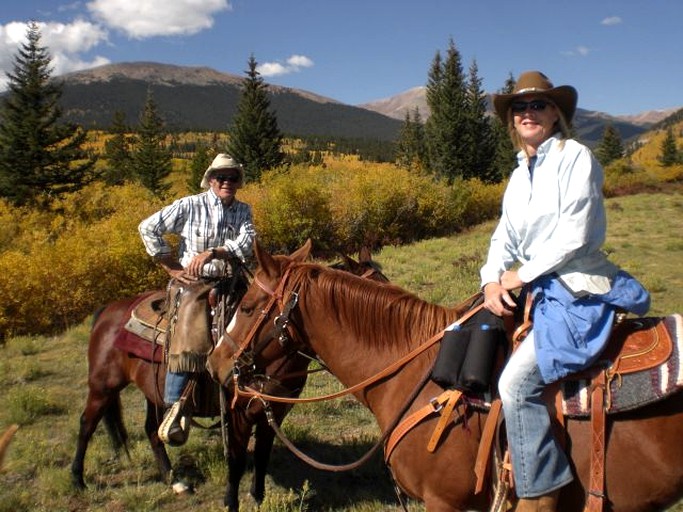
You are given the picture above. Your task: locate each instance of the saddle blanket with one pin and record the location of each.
(635, 389)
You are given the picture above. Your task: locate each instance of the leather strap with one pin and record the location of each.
(596, 487)
(481, 465)
(443, 420)
(435, 405)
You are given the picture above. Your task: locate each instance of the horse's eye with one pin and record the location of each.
(246, 309)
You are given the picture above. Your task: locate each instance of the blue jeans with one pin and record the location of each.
(539, 463)
(174, 385)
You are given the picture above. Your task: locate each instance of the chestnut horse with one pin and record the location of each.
(110, 370)
(359, 328)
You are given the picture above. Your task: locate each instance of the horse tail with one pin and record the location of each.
(5, 440)
(113, 421)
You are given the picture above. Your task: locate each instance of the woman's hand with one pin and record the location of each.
(497, 300)
(510, 280)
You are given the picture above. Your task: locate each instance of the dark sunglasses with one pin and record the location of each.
(232, 178)
(518, 107)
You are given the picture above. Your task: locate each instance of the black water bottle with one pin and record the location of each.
(449, 361)
(477, 368)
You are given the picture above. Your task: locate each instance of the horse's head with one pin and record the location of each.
(260, 317)
(364, 267)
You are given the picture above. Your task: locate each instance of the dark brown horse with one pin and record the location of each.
(360, 328)
(110, 370)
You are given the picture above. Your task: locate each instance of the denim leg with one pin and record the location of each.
(174, 385)
(538, 461)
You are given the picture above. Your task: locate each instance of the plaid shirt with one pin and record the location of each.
(203, 223)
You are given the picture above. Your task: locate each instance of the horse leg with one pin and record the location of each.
(152, 420)
(95, 407)
(264, 437)
(239, 432)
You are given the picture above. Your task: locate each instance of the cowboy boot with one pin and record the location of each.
(545, 503)
(527, 505)
(548, 503)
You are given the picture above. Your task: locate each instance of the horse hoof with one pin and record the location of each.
(182, 488)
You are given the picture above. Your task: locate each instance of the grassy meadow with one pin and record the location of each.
(43, 389)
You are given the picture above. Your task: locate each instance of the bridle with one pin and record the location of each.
(244, 357)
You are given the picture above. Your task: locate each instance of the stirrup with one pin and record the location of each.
(175, 427)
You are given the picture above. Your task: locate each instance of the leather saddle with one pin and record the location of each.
(147, 319)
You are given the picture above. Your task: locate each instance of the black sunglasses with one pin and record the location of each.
(232, 178)
(518, 107)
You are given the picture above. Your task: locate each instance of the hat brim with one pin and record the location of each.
(564, 96)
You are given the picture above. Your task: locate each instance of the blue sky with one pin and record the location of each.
(623, 56)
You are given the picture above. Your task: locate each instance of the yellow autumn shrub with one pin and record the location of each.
(85, 256)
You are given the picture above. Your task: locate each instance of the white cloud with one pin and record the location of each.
(293, 64)
(611, 20)
(140, 19)
(300, 61)
(580, 51)
(64, 42)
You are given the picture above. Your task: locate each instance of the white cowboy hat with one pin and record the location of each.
(222, 161)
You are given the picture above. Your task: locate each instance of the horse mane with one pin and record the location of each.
(397, 317)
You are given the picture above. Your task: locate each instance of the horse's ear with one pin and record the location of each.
(303, 252)
(364, 255)
(351, 264)
(265, 260)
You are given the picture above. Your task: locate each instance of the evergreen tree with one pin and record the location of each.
(39, 156)
(151, 158)
(255, 139)
(610, 147)
(479, 137)
(117, 152)
(411, 151)
(668, 150)
(446, 97)
(198, 165)
(504, 160)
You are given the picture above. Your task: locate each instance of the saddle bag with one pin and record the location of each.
(468, 353)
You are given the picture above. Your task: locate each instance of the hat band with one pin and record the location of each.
(531, 89)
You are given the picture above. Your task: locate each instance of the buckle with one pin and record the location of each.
(434, 402)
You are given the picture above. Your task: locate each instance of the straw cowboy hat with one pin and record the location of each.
(535, 82)
(222, 161)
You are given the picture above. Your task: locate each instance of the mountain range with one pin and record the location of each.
(203, 99)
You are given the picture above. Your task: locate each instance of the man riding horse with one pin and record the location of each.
(214, 229)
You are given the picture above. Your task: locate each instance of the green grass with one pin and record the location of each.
(43, 388)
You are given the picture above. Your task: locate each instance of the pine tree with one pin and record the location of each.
(668, 155)
(610, 147)
(445, 128)
(254, 137)
(504, 160)
(411, 148)
(40, 157)
(480, 144)
(117, 152)
(198, 165)
(151, 157)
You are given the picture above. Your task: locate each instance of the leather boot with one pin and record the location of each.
(527, 505)
(548, 503)
(545, 503)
